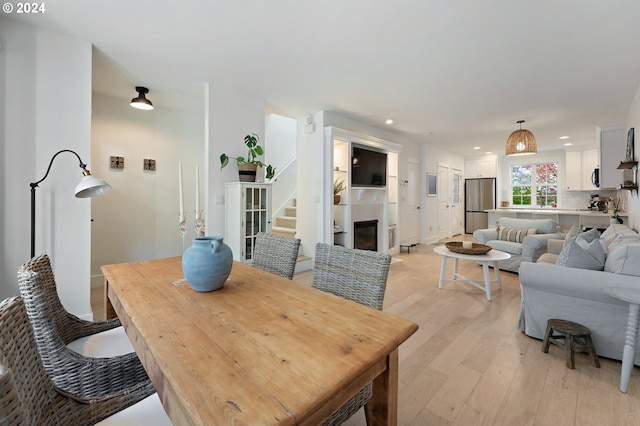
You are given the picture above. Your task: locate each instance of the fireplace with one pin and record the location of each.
(365, 235)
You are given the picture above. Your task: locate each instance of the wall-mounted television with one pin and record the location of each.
(368, 167)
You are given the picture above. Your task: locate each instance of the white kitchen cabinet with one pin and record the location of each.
(573, 172)
(481, 167)
(579, 168)
(247, 212)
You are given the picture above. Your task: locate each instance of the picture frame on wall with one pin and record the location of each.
(629, 154)
(432, 185)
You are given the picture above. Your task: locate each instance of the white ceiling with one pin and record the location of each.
(451, 73)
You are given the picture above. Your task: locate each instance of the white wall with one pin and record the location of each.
(431, 155)
(47, 107)
(633, 200)
(138, 218)
(231, 114)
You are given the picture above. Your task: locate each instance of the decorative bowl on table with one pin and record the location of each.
(456, 246)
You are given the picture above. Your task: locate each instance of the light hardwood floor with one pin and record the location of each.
(469, 365)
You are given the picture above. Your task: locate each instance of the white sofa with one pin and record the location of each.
(531, 247)
(552, 291)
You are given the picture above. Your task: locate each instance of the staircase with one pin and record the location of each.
(286, 226)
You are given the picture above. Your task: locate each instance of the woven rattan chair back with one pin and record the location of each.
(27, 394)
(53, 327)
(11, 412)
(276, 254)
(43, 304)
(357, 275)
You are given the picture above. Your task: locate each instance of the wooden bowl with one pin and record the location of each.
(456, 246)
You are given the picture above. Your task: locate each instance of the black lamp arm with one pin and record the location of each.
(34, 185)
(83, 166)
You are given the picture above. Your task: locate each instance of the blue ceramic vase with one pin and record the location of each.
(207, 263)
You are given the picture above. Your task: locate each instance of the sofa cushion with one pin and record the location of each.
(623, 240)
(588, 236)
(544, 226)
(586, 254)
(614, 231)
(507, 246)
(515, 235)
(624, 259)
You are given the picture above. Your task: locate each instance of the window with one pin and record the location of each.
(540, 179)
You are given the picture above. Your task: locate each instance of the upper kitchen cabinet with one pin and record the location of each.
(580, 166)
(613, 145)
(481, 167)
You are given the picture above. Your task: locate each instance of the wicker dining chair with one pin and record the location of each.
(54, 328)
(28, 396)
(357, 275)
(276, 254)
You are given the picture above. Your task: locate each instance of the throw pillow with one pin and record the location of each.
(588, 236)
(586, 255)
(514, 235)
(571, 235)
(624, 259)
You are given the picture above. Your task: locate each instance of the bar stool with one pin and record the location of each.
(572, 337)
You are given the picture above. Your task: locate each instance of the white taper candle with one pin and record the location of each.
(197, 193)
(180, 192)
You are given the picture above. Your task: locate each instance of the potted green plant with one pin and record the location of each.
(247, 167)
(338, 187)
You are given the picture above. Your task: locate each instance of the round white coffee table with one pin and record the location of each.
(632, 296)
(486, 260)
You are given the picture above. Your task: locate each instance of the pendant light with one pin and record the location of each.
(141, 102)
(521, 142)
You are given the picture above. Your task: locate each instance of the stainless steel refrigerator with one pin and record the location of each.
(479, 195)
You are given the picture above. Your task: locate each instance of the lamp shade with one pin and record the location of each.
(521, 142)
(90, 186)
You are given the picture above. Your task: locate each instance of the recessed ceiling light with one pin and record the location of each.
(389, 121)
(564, 137)
(488, 152)
(568, 144)
(476, 147)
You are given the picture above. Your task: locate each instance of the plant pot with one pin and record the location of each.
(247, 172)
(336, 199)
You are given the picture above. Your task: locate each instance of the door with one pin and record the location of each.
(412, 232)
(457, 213)
(444, 219)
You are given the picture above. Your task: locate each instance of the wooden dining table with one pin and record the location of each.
(262, 350)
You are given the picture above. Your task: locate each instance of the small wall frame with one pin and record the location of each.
(432, 185)
(116, 162)
(148, 164)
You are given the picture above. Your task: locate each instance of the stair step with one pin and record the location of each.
(286, 222)
(290, 211)
(285, 232)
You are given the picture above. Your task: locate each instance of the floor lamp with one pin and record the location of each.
(87, 187)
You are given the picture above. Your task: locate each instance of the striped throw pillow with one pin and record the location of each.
(514, 235)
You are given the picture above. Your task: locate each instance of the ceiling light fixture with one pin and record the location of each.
(141, 102)
(521, 142)
(564, 137)
(389, 121)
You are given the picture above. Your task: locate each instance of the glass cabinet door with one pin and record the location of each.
(255, 217)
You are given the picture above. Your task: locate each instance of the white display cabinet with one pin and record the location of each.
(247, 212)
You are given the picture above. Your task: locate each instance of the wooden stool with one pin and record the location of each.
(572, 337)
